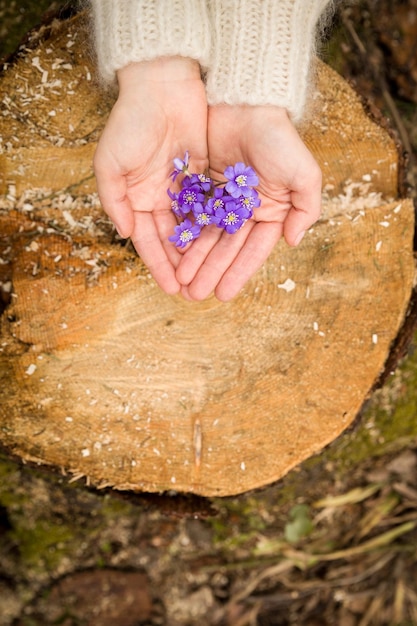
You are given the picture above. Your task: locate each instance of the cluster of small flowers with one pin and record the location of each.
(202, 202)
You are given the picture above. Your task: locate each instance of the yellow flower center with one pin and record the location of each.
(204, 219)
(186, 236)
(231, 218)
(190, 197)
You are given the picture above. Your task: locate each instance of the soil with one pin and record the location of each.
(344, 553)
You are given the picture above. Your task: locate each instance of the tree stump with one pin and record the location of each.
(107, 378)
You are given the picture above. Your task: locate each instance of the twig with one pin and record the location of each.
(275, 570)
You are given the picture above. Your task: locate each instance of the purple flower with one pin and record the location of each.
(203, 216)
(181, 166)
(190, 198)
(217, 200)
(201, 180)
(200, 202)
(175, 205)
(184, 233)
(249, 202)
(231, 217)
(241, 179)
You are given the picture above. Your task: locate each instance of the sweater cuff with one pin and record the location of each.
(130, 31)
(262, 52)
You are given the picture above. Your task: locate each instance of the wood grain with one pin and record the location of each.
(106, 377)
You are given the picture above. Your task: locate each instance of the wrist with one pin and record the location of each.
(160, 70)
(244, 120)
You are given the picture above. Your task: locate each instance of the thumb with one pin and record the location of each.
(305, 211)
(113, 197)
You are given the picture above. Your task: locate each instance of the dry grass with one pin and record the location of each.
(356, 565)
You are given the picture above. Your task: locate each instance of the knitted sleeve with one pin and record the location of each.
(261, 52)
(128, 31)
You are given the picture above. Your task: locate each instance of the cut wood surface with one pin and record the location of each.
(106, 377)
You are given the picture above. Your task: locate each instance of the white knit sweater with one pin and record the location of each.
(252, 51)
(127, 31)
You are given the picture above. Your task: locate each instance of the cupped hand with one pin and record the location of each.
(289, 188)
(160, 113)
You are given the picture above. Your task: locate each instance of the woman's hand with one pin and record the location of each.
(289, 188)
(160, 113)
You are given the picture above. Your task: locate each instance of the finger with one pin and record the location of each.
(305, 210)
(185, 294)
(196, 254)
(165, 222)
(217, 262)
(147, 242)
(112, 191)
(259, 244)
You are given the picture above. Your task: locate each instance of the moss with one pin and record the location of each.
(388, 422)
(113, 507)
(49, 520)
(42, 543)
(333, 51)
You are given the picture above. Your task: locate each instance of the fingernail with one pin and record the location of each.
(299, 237)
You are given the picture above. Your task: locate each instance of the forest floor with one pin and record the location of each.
(345, 554)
